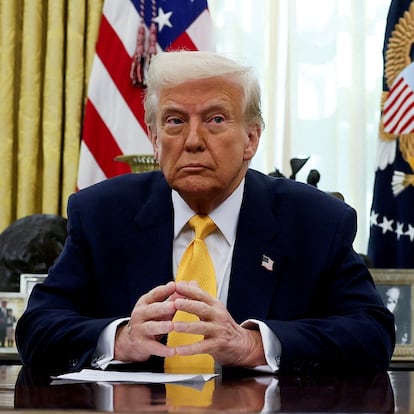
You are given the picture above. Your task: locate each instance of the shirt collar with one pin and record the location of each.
(225, 216)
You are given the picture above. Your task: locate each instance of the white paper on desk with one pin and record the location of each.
(92, 375)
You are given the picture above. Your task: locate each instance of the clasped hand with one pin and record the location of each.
(151, 319)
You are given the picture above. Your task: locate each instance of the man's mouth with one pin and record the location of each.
(194, 166)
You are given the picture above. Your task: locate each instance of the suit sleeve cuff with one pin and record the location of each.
(104, 352)
(271, 345)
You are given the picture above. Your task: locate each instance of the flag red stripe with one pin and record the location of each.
(101, 144)
(400, 122)
(393, 96)
(394, 124)
(183, 42)
(390, 105)
(404, 128)
(115, 63)
(396, 111)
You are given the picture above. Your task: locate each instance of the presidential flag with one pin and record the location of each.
(131, 31)
(391, 242)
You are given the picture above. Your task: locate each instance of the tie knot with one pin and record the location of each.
(202, 225)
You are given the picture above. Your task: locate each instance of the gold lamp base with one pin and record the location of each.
(139, 162)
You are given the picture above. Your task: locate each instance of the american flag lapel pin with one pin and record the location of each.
(267, 262)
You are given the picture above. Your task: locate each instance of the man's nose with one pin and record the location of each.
(195, 136)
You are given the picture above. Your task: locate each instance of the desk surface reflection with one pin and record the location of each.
(384, 392)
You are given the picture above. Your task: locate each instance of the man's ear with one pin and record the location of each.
(154, 141)
(253, 138)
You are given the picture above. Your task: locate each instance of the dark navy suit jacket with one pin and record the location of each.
(319, 298)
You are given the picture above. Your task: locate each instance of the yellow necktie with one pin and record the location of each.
(196, 264)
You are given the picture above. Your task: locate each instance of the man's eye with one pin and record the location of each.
(217, 119)
(174, 121)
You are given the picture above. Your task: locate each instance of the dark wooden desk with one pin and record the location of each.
(386, 392)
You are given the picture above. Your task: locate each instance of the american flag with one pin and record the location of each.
(114, 117)
(267, 262)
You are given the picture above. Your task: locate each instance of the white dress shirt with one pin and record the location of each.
(220, 244)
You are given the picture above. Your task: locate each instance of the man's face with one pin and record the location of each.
(201, 140)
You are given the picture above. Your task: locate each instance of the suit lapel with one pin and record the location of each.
(253, 275)
(152, 240)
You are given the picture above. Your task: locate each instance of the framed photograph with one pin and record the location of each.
(396, 287)
(12, 306)
(28, 280)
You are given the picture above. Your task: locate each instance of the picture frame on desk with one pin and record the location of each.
(28, 280)
(14, 304)
(396, 287)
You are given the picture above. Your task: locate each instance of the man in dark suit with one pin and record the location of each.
(292, 293)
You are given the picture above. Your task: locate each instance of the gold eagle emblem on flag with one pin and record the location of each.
(397, 59)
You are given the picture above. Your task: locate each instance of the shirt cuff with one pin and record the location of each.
(271, 345)
(104, 352)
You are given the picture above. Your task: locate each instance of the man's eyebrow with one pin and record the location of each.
(217, 106)
(172, 108)
(176, 107)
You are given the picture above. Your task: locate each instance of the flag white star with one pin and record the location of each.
(386, 225)
(410, 232)
(373, 218)
(399, 230)
(163, 19)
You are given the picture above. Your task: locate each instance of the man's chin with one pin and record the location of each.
(193, 184)
(197, 192)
